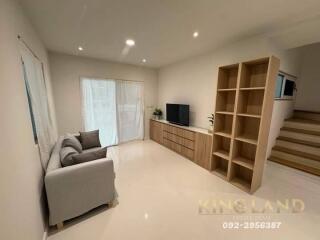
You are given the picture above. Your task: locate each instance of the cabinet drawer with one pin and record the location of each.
(187, 143)
(165, 134)
(167, 143)
(172, 145)
(179, 140)
(172, 129)
(180, 132)
(177, 148)
(167, 128)
(186, 134)
(188, 153)
(170, 136)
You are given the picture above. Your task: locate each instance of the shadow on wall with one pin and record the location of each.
(192, 116)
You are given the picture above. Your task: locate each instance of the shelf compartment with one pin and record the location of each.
(244, 162)
(248, 115)
(247, 129)
(220, 166)
(223, 134)
(225, 101)
(224, 112)
(244, 154)
(254, 74)
(252, 88)
(227, 77)
(242, 184)
(241, 177)
(223, 123)
(226, 89)
(222, 154)
(247, 139)
(250, 102)
(221, 147)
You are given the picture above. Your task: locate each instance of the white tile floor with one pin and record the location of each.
(159, 193)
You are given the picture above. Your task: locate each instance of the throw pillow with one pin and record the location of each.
(71, 141)
(66, 154)
(90, 139)
(89, 156)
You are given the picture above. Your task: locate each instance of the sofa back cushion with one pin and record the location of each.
(71, 141)
(66, 156)
(90, 139)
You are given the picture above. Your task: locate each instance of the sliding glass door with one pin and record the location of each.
(114, 107)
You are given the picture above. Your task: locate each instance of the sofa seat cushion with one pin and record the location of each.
(91, 155)
(91, 150)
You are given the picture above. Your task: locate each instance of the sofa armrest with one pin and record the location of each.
(74, 190)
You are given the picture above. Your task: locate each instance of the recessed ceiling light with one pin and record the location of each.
(130, 42)
(195, 34)
(80, 48)
(144, 60)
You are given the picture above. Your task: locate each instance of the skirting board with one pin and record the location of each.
(45, 233)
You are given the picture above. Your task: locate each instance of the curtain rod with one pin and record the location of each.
(35, 55)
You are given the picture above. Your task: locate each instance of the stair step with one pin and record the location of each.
(298, 144)
(298, 149)
(299, 166)
(307, 115)
(297, 159)
(302, 125)
(297, 137)
(301, 131)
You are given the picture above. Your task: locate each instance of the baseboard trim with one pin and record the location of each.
(306, 111)
(45, 233)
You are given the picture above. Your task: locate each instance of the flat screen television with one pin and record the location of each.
(178, 114)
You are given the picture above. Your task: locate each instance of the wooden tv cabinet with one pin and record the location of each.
(190, 142)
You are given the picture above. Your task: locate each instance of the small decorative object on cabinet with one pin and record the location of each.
(211, 120)
(157, 113)
(244, 103)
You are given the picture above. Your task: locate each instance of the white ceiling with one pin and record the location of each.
(162, 29)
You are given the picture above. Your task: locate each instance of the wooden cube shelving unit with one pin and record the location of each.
(244, 103)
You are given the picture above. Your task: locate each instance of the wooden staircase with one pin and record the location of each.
(298, 144)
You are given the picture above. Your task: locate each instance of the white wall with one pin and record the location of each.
(66, 71)
(194, 81)
(308, 95)
(21, 177)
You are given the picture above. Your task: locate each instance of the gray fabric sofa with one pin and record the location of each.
(74, 190)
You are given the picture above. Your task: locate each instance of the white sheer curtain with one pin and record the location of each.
(99, 108)
(114, 107)
(130, 110)
(35, 84)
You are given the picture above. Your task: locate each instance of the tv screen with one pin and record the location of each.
(178, 114)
